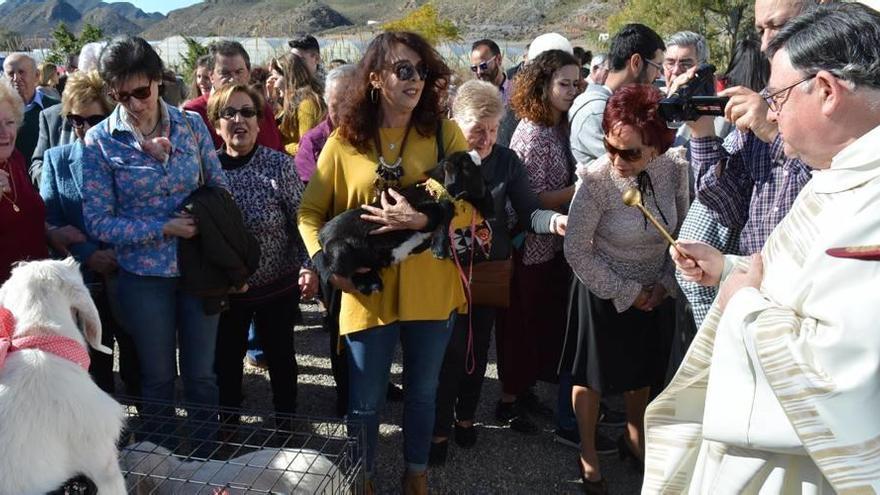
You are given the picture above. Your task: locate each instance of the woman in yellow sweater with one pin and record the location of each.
(388, 133)
(302, 104)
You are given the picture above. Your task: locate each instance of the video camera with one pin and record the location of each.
(694, 99)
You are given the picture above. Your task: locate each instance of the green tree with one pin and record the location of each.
(65, 43)
(194, 50)
(722, 22)
(426, 21)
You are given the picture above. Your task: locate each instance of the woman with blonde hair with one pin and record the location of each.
(48, 80)
(302, 104)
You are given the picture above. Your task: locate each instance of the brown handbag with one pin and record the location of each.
(490, 284)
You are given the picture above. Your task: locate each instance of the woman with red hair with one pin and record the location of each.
(621, 317)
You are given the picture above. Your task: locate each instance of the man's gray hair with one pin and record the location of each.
(337, 74)
(690, 38)
(598, 60)
(841, 38)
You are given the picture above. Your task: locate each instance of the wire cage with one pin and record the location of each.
(185, 449)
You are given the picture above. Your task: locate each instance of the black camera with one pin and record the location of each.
(694, 99)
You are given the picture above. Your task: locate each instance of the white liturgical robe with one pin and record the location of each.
(781, 392)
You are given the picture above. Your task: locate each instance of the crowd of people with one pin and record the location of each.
(196, 223)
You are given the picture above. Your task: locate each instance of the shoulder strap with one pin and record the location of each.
(441, 152)
(183, 113)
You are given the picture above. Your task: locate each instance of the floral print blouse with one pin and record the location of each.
(128, 195)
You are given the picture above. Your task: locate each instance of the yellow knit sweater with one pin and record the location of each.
(419, 288)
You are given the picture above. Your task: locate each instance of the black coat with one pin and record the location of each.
(224, 253)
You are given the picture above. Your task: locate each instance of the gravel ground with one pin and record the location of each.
(503, 461)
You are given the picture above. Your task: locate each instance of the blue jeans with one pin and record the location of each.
(159, 316)
(370, 353)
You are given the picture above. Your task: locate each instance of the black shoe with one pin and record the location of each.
(532, 404)
(511, 414)
(394, 393)
(569, 438)
(598, 487)
(610, 417)
(465, 437)
(605, 445)
(626, 454)
(437, 454)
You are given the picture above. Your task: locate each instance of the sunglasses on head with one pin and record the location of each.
(482, 66)
(141, 93)
(405, 70)
(229, 113)
(78, 121)
(625, 155)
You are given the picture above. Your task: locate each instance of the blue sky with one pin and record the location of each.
(162, 6)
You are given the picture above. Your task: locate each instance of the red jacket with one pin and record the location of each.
(268, 136)
(22, 232)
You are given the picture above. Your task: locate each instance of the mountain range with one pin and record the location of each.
(280, 18)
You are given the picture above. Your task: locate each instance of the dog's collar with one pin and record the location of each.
(436, 190)
(63, 347)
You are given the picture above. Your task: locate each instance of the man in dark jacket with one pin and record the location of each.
(21, 71)
(55, 130)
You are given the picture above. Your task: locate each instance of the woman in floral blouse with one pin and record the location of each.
(139, 165)
(530, 333)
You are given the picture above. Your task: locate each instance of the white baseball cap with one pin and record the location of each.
(547, 42)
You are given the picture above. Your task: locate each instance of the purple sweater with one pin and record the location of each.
(310, 145)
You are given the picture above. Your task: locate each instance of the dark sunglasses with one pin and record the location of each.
(482, 66)
(406, 71)
(625, 155)
(78, 121)
(229, 113)
(141, 93)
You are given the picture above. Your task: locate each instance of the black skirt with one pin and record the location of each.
(613, 352)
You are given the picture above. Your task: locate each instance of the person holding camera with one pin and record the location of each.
(747, 182)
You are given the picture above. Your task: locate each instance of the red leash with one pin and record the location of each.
(470, 363)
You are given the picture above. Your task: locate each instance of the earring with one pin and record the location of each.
(374, 94)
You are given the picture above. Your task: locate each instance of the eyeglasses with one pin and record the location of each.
(630, 156)
(229, 113)
(406, 71)
(778, 98)
(78, 121)
(141, 93)
(684, 65)
(654, 65)
(482, 66)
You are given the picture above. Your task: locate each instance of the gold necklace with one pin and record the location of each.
(14, 197)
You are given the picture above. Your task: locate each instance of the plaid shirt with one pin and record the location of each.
(747, 184)
(699, 225)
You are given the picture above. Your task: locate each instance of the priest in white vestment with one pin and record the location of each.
(780, 389)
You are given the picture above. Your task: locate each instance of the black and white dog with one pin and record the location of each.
(347, 244)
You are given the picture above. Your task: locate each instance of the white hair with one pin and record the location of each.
(90, 54)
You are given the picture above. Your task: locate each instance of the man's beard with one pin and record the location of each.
(489, 75)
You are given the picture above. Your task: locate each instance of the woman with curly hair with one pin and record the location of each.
(390, 133)
(302, 102)
(621, 317)
(529, 334)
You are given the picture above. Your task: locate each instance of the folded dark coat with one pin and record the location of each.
(223, 255)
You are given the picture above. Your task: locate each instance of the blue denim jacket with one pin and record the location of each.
(128, 195)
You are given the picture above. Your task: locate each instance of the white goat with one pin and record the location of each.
(151, 469)
(55, 423)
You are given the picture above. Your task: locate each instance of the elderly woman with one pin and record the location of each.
(312, 142)
(478, 110)
(530, 333)
(621, 318)
(302, 106)
(22, 213)
(388, 134)
(85, 104)
(267, 190)
(152, 157)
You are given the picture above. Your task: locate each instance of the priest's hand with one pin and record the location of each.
(698, 262)
(741, 279)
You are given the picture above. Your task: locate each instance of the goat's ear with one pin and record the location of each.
(87, 317)
(438, 173)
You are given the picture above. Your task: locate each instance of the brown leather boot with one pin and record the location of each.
(415, 483)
